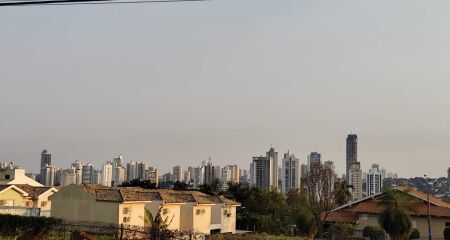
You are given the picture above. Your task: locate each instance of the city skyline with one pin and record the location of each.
(173, 84)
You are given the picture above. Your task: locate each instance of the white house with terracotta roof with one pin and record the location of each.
(366, 211)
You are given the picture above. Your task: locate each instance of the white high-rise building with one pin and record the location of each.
(97, 177)
(141, 167)
(290, 173)
(78, 167)
(151, 174)
(68, 177)
(230, 173)
(177, 174)
(49, 172)
(119, 177)
(198, 176)
(374, 180)
(131, 171)
(107, 174)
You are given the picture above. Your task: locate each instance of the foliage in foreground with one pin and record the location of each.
(26, 227)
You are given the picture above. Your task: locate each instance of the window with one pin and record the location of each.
(43, 203)
(447, 224)
(6, 202)
(7, 176)
(200, 211)
(126, 219)
(165, 211)
(126, 210)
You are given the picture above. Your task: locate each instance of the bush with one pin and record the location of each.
(341, 231)
(13, 226)
(415, 234)
(373, 233)
(447, 233)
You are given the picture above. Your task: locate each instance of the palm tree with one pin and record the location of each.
(343, 193)
(395, 219)
(158, 226)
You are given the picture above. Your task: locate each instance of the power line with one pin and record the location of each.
(84, 2)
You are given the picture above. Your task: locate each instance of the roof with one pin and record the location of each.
(130, 194)
(115, 194)
(343, 217)
(34, 192)
(370, 205)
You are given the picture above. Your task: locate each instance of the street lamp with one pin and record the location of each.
(429, 217)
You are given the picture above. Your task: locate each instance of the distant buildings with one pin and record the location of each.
(230, 173)
(46, 159)
(131, 171)
(355, 179)
(314, 160)
(88, 173)
(351, 152)
(264, 170)
(177, 173)
(107, 174)
(49, 175)
(290, 173)
(374, 180)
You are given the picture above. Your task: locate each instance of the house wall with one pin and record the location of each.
(187, 216)
(202, 218)
(43, 198)
(421, 223)
(12, 194)
(173, 213)
(228, 221)
(74, 204)
(132, 214)
(216, 214)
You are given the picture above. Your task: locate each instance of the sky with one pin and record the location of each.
(175, 83)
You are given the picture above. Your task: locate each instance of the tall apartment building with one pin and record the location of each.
(68, 176)
(107, 170)
(177, 173)
(351, 152)
(198, 177)
(87, 174)
(46, 159)
(273, 158)
(374, 180)
(355, 179)
(290, 172)
(243, 176)
(229, 173)
(78, 167)
(49, 173)
(261, 172)
(119, 176)
(314, 159)
(131, 171)
(97, 177)
(151, 174)
(140, 169)
(210, 174)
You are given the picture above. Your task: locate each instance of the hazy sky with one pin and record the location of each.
(175, 83)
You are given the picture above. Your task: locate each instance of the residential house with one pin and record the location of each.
(96, 203)
(366, 211)
(23, 199)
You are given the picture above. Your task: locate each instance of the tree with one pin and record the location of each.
(319, 182)
(395, 219)
(137, 183)
(212, 189)
(447, 233)
(415, 234)
(180, 185)
(373, 233)
(158, 226)
(343, 193)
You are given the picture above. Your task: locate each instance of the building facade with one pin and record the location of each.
(290, 172)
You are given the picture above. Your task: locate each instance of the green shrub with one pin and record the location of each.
(415, 234)
(341, 231)
(373, 232)
(13, 225)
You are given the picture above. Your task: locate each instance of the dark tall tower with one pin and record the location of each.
(352, 152)
(46, 159)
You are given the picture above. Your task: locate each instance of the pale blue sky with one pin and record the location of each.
(174, 83)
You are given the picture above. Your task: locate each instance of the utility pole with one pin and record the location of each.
(429, 216)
